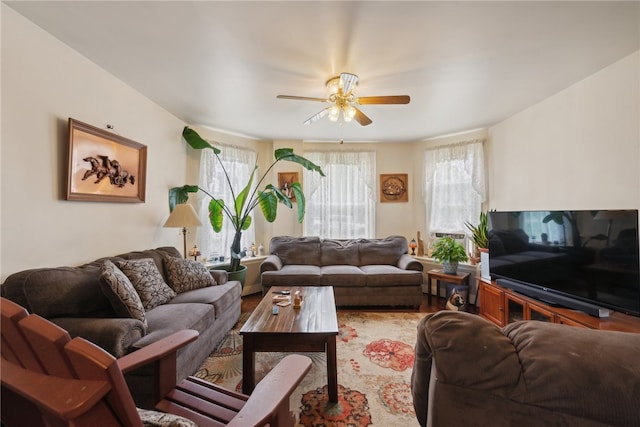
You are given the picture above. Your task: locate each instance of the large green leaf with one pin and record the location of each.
(300, 200)
(241, 198)
(288, 155)
(180, 195)
(196, 141)
(280, 196)
(268, 205)
(216, 208)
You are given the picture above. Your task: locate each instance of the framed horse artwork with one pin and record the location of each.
(104, 167)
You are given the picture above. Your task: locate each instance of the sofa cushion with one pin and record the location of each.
(59, 292)
(186, 275)
(220, 296)
(340, 252)
(292, 275)
(383, 275)
(123, 296)
(149, 284)
(169, 318)
(382, 251)
(296, 250)
(342, 275)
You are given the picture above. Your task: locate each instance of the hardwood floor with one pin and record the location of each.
(250, 302)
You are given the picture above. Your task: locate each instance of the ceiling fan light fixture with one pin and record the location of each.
(348, 112)
(333, 86)
(334, 113)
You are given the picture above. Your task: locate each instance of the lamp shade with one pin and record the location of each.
(183, 215)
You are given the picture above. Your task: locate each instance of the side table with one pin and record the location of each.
(439, 275)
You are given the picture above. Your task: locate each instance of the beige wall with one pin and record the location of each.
(579, 149)
(43, 84)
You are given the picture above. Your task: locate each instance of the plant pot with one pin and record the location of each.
(233, 275)
(450, 267)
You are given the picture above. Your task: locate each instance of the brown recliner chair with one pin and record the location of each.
(469, 372)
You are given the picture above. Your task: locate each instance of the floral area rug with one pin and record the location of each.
(375, 358)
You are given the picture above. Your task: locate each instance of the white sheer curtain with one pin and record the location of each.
(341, 205)
(454, 186)
(239, 163)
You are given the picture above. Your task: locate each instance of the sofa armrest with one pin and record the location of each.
(221, 276)
(271, 263)
(467, 351)
(114, 335)
(167, 346)
(407, 262)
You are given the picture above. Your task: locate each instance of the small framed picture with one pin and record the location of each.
(285, 179)
(104, 167)
(394, 187)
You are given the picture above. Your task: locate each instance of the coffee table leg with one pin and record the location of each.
(332, 368)
(248, 364)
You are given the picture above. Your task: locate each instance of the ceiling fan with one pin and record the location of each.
(341, 94)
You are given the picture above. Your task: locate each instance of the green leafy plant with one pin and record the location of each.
(448, 250)
(480, 232)
(244, 201)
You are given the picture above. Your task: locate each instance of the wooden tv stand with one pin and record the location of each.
(503, 306)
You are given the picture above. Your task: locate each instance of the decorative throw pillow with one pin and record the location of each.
(160, 419)
(120, 292)
(148, 281)
(186, 274)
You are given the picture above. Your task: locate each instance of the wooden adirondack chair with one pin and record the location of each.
(49, 379)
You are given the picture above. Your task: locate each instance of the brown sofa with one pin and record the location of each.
(469, 372)
(72, 298)
(363, 272)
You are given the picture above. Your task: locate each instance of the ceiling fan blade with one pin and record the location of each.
(361, 118)
(396, 99)
(301, 98)
(317, 116)
(348, 82)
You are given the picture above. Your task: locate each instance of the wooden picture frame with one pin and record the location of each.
(394, 188)
(285, 179)
(104, 167)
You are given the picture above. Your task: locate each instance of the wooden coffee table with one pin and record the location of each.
(312, 327)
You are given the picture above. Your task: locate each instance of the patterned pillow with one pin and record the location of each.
(121, 294)
(186, 274)
(160, 419)
(148, 281)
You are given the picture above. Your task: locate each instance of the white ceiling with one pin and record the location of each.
(465, 65)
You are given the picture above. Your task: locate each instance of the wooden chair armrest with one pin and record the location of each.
(272, 393)
(65, 398)
(158, 350)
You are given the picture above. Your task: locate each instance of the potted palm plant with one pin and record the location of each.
(449, 253)
(479, 236)
(244, 200)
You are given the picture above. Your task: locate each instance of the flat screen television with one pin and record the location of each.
(585, 260)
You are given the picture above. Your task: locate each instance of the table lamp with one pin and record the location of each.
(183, 216)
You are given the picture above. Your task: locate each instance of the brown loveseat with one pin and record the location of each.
(363, 272)
(74, 299)
(469, 372)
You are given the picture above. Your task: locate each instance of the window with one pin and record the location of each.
(239, 163)
(341, 205)
(454, 186)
